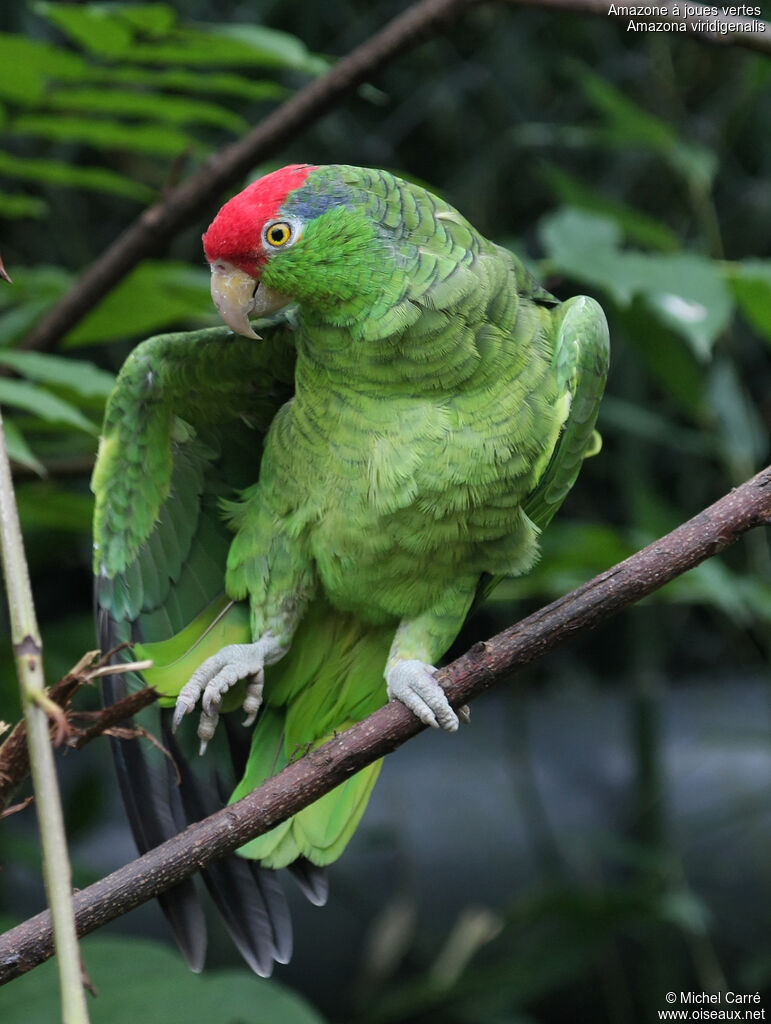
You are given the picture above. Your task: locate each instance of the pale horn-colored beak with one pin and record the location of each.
(237, 296)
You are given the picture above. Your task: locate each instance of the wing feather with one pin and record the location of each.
(184, 410)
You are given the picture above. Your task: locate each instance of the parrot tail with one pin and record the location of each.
(331, 678)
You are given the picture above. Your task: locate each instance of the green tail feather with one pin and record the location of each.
(331, 678)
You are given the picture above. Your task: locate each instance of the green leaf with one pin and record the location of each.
(741, 433)
(21, 395)
(35, 283)
(141, 980)
(79, 375)
(627, 417)
(52, 172)
(687, 292)
(130, 103)
(18, 449)
(226, 82)
(109, 30)
(230, 45)
(673, 367)
(631, 122)
(571, 237)
(750, 281)
(26, 66)
(744, 600)
(47, 506)
(16, 322)
(627, 124)
(572, 552)
(34, 290)
(157, 295)
(575, 551)
(95, 27)
(137, 138)
(148, 19)
(636, 225)
(17, 205)
(269, 46)
(122, 30)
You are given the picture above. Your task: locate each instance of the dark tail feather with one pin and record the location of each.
(250, 898)
(312, 880)
(159, 805)
(148, 799)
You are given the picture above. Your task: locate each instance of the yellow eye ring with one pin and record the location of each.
(278, 234)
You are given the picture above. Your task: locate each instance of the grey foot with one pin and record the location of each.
(412, 682)
(218, 674)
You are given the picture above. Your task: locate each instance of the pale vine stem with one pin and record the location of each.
(28, 654)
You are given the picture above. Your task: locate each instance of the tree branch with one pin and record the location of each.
(197, 196)
(305, 780)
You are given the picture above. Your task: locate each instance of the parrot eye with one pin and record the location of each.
(278, 233)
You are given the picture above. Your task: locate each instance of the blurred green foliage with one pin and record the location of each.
(635, 169)
(163, 990)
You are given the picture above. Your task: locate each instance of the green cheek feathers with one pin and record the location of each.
(339, 265)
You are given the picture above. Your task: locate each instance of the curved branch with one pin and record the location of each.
(304, 781)
(188, 201)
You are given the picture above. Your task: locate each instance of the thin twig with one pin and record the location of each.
(309, 778)
(15, 808)
(198, 196)
(27, 647)
(105, 721)
(14, 754)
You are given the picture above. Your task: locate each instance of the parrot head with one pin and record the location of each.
(295, 235)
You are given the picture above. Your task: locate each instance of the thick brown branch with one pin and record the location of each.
(306, 780)
(199, 194)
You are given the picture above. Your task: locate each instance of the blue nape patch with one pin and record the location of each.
(313, 199)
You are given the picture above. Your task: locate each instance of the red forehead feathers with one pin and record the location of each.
(236, 229)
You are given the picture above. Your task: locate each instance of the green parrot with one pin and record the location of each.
(296, 523)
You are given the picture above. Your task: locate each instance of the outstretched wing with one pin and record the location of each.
(184, 429)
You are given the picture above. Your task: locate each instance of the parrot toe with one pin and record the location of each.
(412, 682)
(218, 674)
